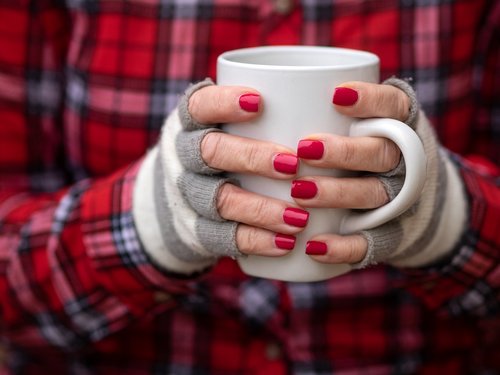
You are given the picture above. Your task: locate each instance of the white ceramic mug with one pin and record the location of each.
(297, 84)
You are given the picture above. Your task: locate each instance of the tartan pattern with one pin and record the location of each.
(84, 88)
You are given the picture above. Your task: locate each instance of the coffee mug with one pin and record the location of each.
(297, 84)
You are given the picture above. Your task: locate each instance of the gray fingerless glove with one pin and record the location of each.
(431, 228)
(175, 198)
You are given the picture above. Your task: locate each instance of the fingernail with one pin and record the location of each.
(284, 241)
(316, 248)
(304, 189)
(295, 217)
(344, 96)
(309, 149)
(250, 102)
(286, 163)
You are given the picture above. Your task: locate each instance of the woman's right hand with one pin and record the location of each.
(262, 218)
(266, 224)
(188, 213)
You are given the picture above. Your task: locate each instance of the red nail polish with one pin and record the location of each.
(309, 149)
(344, 96)
(295, 217)
(250, 102)
(286, 163)
(284, 241)
(316, 248)
(304, 189)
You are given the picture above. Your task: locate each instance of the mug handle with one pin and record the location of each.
(416, 169)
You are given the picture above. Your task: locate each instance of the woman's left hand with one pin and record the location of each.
(393, 241)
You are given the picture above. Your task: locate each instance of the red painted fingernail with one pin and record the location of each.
(309, 149)
(344, 96)
(286, 163)
(250, 102)
(316, 248)
(295, 217)
(304, 189)
(284, 241)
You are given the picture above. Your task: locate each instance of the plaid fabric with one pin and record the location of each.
(84, 88)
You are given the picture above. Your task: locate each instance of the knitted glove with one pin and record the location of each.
(431, 228)
(175, 196)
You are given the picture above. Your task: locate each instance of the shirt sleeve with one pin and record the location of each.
(467, 282)
(73, 269)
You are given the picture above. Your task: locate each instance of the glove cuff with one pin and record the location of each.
(413, 111)
(449, 228)
(188, 147)
(394, 179)
(430, 229)
(149, 228)
(187, 121)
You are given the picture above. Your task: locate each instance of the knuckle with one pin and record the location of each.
(221, 99)
(211, 149)
(218, 101)
(394, 102)
(247, 239)
(341, 193)
(381, 101)
(210, 104)
(389, 156)
(252, 157)
(379, 194)
(389, 101)
(194, 105)
(226, 201)
(403, 106)
(347, 152)
(261, 209)
(353, 252)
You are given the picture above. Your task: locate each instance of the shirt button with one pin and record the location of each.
(161, 297)
(273, 351)
(283, 6)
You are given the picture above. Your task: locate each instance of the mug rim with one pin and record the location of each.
(368, 57)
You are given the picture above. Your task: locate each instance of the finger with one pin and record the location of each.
(237, 204)
(371, 154)
(220, 104)
(257, 241)
(332, 248)
(353, 193)
(364, 100)
(245, 155)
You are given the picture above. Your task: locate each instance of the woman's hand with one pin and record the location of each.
(187, 211)
(266, 225)
(422, 235)
(366, 154)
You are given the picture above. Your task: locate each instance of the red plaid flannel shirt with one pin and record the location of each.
(84, 88)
